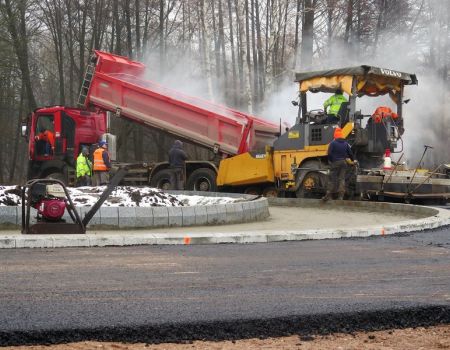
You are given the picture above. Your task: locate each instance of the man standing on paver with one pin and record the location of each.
(177, 161)
(340, 155)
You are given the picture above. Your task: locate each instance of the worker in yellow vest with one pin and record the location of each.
(102, 164)
(84, 168)
(332, 105)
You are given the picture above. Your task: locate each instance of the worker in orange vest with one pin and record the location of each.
(49, 138)
(102, 164)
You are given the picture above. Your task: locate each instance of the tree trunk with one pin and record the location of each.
(261, 69)
(222, 48)
(307, 34)
(161, 38)
(137, 28)
(233, 57)
(206, 50)
(17, 30)
(14, 164)
(241, 50)
(349, 21)
(118, 27)
(127, 13)
(297, 27)
(248, 67)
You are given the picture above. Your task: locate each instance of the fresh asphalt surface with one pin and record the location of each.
(102, 290)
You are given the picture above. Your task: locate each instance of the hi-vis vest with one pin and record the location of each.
(334, 102)
(99, 164)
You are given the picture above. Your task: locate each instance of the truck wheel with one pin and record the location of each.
(202, 179)
(162, 180)
(253, 190)
(271, 192)
(311, 186)
(57, 176)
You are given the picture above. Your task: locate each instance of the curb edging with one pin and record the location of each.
(438, 218)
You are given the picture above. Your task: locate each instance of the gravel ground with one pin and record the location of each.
(431, 338)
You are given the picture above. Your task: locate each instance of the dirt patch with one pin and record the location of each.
(432, 338)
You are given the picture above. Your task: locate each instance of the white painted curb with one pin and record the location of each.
(440, 218)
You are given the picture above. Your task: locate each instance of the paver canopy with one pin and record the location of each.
(369, 80)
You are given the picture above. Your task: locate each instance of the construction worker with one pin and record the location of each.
(334, 104)
(84, 168)
(340, 156)
(177, 161)
(102, 164)
(48, 137)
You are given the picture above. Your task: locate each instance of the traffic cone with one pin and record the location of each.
(387, 160)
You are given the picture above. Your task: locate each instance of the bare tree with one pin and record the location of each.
(15, 17)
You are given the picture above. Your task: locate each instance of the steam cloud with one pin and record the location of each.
(426, 115)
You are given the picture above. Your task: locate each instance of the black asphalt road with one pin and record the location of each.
(48, 293)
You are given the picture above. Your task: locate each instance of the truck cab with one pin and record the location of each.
(55, 136)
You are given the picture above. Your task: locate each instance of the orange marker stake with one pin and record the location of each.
(382, 231)
(187, 240)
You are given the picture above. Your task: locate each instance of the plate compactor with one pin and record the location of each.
(51, 199)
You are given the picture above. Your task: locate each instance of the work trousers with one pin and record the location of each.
(101, 178)
(177, 178)
(84, 180)
(336, 180)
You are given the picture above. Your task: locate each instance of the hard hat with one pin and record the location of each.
(338, 133)
(101, 143)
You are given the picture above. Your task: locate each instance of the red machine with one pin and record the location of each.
(116, 84)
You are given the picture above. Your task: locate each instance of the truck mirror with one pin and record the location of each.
(406, 101)
(294, 103)
(24, 130)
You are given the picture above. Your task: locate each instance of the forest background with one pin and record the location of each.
(242, 53)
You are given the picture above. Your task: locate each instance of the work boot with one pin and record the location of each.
(327, 196)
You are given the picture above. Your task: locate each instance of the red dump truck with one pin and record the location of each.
(115, 86)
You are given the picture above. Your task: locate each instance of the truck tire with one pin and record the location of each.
(311, 186)
(270, 192)
(253, 190)
(313, 183)
(57, 176)
(202, 179)
(162, 180)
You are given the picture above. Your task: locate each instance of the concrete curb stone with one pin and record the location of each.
(144, 217)
(188, 214)
(109, 216)
(128, 217)
(201, 217)
(175, 216)
(433, 218)
(160, 217)
(135, 217)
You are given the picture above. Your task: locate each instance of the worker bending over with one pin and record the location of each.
(177, 161)
(340, 155)
(334, 104)
(84, 168)
(48, 137)
(102, 164)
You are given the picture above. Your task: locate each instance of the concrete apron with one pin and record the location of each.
(429, 218)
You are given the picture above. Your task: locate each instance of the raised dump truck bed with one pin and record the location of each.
(117, 84)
